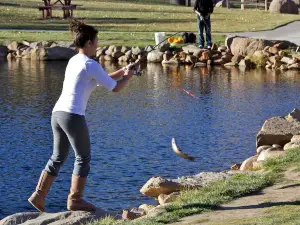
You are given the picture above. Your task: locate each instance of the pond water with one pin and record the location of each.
(131, 131)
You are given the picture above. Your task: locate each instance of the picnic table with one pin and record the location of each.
(66, 6)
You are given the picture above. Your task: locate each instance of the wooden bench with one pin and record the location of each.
(46, 11)
(66, 6)
(68, 10)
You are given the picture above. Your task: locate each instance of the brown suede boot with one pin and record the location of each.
(75, 201)
(37, 199)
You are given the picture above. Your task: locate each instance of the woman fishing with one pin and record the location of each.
(68, 122)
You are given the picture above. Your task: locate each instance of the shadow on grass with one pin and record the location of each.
(260, 206)
(289, 186)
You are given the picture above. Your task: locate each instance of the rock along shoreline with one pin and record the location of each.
(236, 52)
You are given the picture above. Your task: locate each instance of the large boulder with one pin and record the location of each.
(283, 6)
(3, 51)
(245, 46)
(158, 185)
(61, 218)
(55, 53)
(277, 130)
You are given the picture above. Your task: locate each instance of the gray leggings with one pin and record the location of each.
(69, 128)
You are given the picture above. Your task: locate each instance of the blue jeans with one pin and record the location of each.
(201, 25)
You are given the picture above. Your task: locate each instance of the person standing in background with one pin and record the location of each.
(204, 8)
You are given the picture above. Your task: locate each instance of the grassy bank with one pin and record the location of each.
(128, 22)
(209, 197)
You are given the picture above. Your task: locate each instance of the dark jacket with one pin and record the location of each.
(204, 6)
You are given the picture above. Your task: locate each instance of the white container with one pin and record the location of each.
(159, 37)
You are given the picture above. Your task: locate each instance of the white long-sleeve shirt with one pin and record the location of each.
(81, 78)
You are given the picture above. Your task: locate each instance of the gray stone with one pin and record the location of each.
(171, 61)
(124, 49)
(149, 48)
(190, 49)
(136, 50)
(277, 130)
(262, 148)
(65, 44)
(155, 56)
(202, 179)
(266, 154)
(158, 185)
(61, 218)
(26, 43)
(245, 46)
(56, 53)
(283, 6)
(198, 53)
(146, 207)
(248, 163)
(110, 50)
(287, 60)
(273, 50)
(129, 53)
(291, 145)
(296, 139)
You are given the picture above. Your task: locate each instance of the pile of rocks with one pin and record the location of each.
(277, 136)
(237, 51)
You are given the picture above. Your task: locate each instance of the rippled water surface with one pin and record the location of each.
(131, 131)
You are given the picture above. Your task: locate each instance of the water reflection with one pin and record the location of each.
(131, 130)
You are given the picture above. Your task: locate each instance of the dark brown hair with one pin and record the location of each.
(82, 32)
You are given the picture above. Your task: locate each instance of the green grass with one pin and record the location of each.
(105, 38)
(281, 164)
(129, 22)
